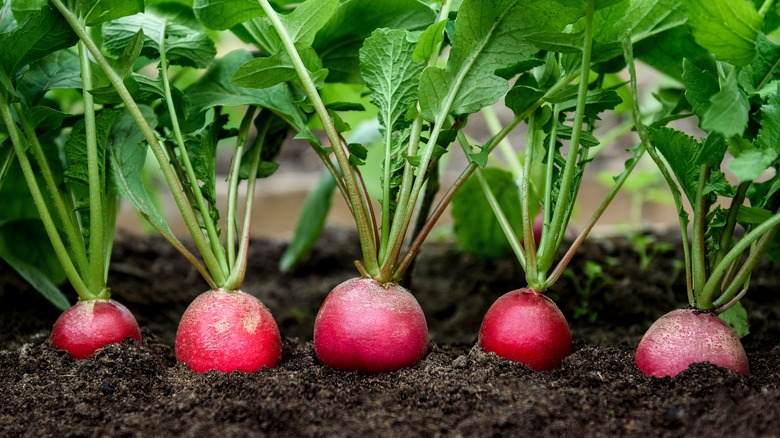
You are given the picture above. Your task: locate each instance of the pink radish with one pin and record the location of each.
(686, 336)
(88, 326)
(527, 327)
(370, 327)
(228, 331)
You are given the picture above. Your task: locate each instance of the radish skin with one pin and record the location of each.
(687, 336)
(527, 327)
(365, 326)
(88, 326)
(227, 331)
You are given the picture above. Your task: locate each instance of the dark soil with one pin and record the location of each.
(140, 390)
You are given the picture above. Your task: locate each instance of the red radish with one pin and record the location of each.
(370, 327)
(686, 336)
(88, 326)
(228, 331)
(527, 327)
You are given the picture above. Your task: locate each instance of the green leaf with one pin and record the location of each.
(753, 215)
(429, 41)
(303, 23)
(476, 227)
(273, 70)
(224, 14)
(186, 43)
(215, 88)
(488, 36)
(700, 86)
(391, 75)
(203, 153)
(769, 133)
(339, 41)
(76, 148)
(682, 152)
(41, 33)
(765, 65)
(666, 51)
(25, 247)
(596, 101)
(727, 28)
(127, 152)
(751, 163)
(59, 70)
(637, 18)
(310, 222)
(728, 110)
(101, 11)
(737, 318)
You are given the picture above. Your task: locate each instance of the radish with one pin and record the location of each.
(68, 177)
(228, 331)
(527, 327)
(88, 326)
(686, 336)
(366, 326)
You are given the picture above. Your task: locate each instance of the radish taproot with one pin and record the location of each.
(686, 336)
(527, 327)
(228, 331)
(366, 326)
(88, 326)
(66, 168)
(726, 224)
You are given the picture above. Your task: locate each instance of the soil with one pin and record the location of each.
(456, 390)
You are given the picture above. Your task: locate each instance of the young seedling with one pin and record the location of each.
(560, 98)
(70, 175)
(223, 329)
(736, 102)
(371, 324)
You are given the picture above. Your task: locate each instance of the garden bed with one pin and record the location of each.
(456, 390)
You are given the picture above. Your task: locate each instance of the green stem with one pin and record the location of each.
(368, 243)
(60, 251)
(731, 220)
(404, 194)
(169, 174)
(510, 156)
(238, 272)
(531, 267)
(561, 267)
(95, 278)
(765, 7)
(73, 234)
(641, 130)
(560, 214)
(441, 207)
(514, 241)
(233, 182)
(211, 230)
(699, 261)
(765, 232)
(548, 180)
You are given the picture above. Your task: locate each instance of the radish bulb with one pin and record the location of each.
(527, 327)
(88, 326)
(369, 327)
(227, 331)
(686, 336)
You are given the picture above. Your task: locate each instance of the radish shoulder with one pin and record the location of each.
(527, 327)
(228, 331)
(365, 326)
(88, 326)
(684, 337)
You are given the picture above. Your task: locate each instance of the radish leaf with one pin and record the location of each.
(476, 227)
(727, 28)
